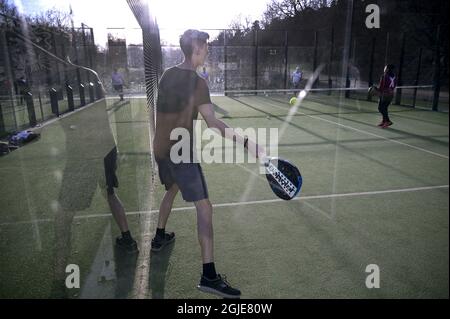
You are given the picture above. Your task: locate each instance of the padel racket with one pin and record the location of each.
(373, 90)
(284, 177)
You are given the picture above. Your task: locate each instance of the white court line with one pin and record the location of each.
(255, 202)
(320, 211)
(365, 132)
(379, 136)
(329, 216)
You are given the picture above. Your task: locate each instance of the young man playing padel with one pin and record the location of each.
(182, 94)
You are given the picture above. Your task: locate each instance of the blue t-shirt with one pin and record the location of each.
(296, 76)
(117, 79)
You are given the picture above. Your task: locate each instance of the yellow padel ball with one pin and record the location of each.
(292, 101)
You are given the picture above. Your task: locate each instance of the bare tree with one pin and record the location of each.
(52, 18)
(281, 9)
(240, 22)
(7, 8)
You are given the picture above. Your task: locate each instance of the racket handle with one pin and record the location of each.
(264, 161)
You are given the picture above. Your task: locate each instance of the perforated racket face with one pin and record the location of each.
(284, 178)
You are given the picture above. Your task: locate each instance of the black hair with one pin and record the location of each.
(191, 37)
(390, 68)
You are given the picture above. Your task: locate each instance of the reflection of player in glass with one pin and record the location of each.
(182, 94)
(117, 82)
(297, 77)
(385, 91)
(91, 163)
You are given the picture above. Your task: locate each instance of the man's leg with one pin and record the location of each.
(166, 205)
(118, 212)
(205, 230)
(125, 241)
(162, 238)
(384, 104)
(210, 281)
(387, 119)
(121, 92)
(382, 112)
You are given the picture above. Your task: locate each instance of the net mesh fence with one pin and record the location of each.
(152, 59)
(334, 99)
(152, 56)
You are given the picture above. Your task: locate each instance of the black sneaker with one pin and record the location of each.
(130, 246)
(218, 286)
(158, 243)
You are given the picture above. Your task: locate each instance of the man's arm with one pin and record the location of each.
(207, 111)
(381, 83)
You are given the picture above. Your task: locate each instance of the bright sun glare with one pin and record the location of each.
(173, 16)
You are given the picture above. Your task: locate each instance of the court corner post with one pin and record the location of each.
(437, 70)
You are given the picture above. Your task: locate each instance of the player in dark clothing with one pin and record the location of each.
(388, 83)
(182, 94)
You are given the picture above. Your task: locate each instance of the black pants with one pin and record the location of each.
(119, 89)
(383, 105)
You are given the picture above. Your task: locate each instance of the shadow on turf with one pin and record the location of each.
(117, 105)
(159, 271)
(125, 267)
(125, 270)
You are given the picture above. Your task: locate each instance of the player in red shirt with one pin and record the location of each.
(388, 83)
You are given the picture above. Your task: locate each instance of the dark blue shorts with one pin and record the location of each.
(187, 176)
(110, 164)
(118, 88)
(82, 177)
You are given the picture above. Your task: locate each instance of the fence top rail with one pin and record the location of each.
(322, 89)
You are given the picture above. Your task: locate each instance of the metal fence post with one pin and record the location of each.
(256, 58)
(82, 96)
(30, 108)
(437, 70)
(387, 49)
(285, 59)
(54, 101)
(99, 90)
(9, 72)
(86, 61)
(348, 45)
(69, 93)
(77, 70)
(372, 58)
(330, 61)
(416, 81)
(316, 41)
(398, 95)
(225, 61)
